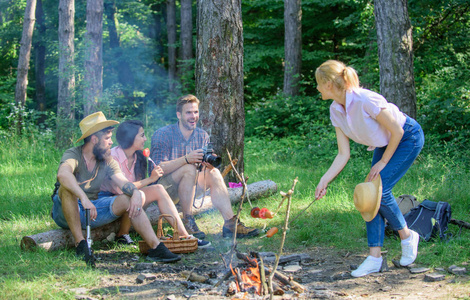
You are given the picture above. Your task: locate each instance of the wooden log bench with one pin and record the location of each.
(62, 238)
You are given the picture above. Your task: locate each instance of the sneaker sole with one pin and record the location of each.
(241, 236)
(205, 246)
(156, 259)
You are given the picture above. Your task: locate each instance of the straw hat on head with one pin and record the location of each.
(367, 196)
(94, 123)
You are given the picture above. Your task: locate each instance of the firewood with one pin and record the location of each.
(191, 276)
(277, 290)
(62, 238)
(460, 223)
(286, 280)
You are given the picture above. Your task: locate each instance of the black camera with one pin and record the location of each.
(209, 156)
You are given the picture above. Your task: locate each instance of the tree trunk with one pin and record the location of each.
(40, 49)
(219, 76)
(62, 238)
(292, 46)
(66, 93)
(25, 55)
(394, 40)
(93, 78)
(171, 30)
(186, 66)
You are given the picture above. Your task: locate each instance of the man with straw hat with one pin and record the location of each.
(81, 171)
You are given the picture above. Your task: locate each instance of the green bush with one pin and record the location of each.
(281, 116)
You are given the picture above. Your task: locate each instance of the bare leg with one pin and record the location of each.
(141, 223)
(375, 251)
(404, 233)
(186, 179)
(165, 204)
(71, 213)
(219, 193)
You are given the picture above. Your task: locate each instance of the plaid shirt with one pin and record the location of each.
(168, 143)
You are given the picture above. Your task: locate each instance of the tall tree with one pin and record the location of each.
(93, 78)
(66, 93)
(395, 47)
(25, 53)
(219, 75)
(40, 61)
(292, 46)
(171, 30)
(186, 37)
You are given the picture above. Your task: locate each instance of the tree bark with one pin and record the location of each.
(93, 78)
(66, 93)
(62, 238)
(25, 53)
(40, 49)
(394, 39)
(185, 66)
(219, 76)
(292, 46)
(171, 30)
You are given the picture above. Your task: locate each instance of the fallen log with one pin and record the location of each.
(460, 223)
(62, 238)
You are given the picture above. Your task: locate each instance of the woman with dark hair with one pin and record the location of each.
(131, 138)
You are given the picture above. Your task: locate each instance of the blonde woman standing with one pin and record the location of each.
(396, 139)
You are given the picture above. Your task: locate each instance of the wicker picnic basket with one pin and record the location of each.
(175, 244)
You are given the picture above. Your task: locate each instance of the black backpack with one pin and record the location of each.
(430, 219)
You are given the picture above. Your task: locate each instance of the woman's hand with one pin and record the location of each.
(157, 172)
(375, 170)
(321, 190)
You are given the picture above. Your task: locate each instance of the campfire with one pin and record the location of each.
(248, 279)
(251, 276)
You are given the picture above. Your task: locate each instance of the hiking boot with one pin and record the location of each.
(242, 230)
(124, 239)
(162, 254)
(409, 251)
(191, 227)
(83, 252)
(369, 265)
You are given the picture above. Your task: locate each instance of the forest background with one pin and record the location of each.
(285, 136)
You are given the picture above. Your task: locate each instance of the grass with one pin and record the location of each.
(28, 169)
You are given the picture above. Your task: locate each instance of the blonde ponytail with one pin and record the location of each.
(342, 76)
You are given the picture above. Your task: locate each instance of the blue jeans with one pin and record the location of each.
(104, 208)
(410, 146)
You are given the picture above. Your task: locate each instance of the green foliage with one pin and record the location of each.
(279, 116)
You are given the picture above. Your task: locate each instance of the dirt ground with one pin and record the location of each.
(324, 273)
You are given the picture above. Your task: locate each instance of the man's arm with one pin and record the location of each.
(67, 180)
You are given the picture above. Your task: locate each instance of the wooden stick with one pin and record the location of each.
(262, 275)
(225, 277)
(284, 232)
(228, 168)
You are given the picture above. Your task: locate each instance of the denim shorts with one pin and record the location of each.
(104, 208)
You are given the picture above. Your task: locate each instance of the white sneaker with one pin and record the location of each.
(369, 265)
(409, 251)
